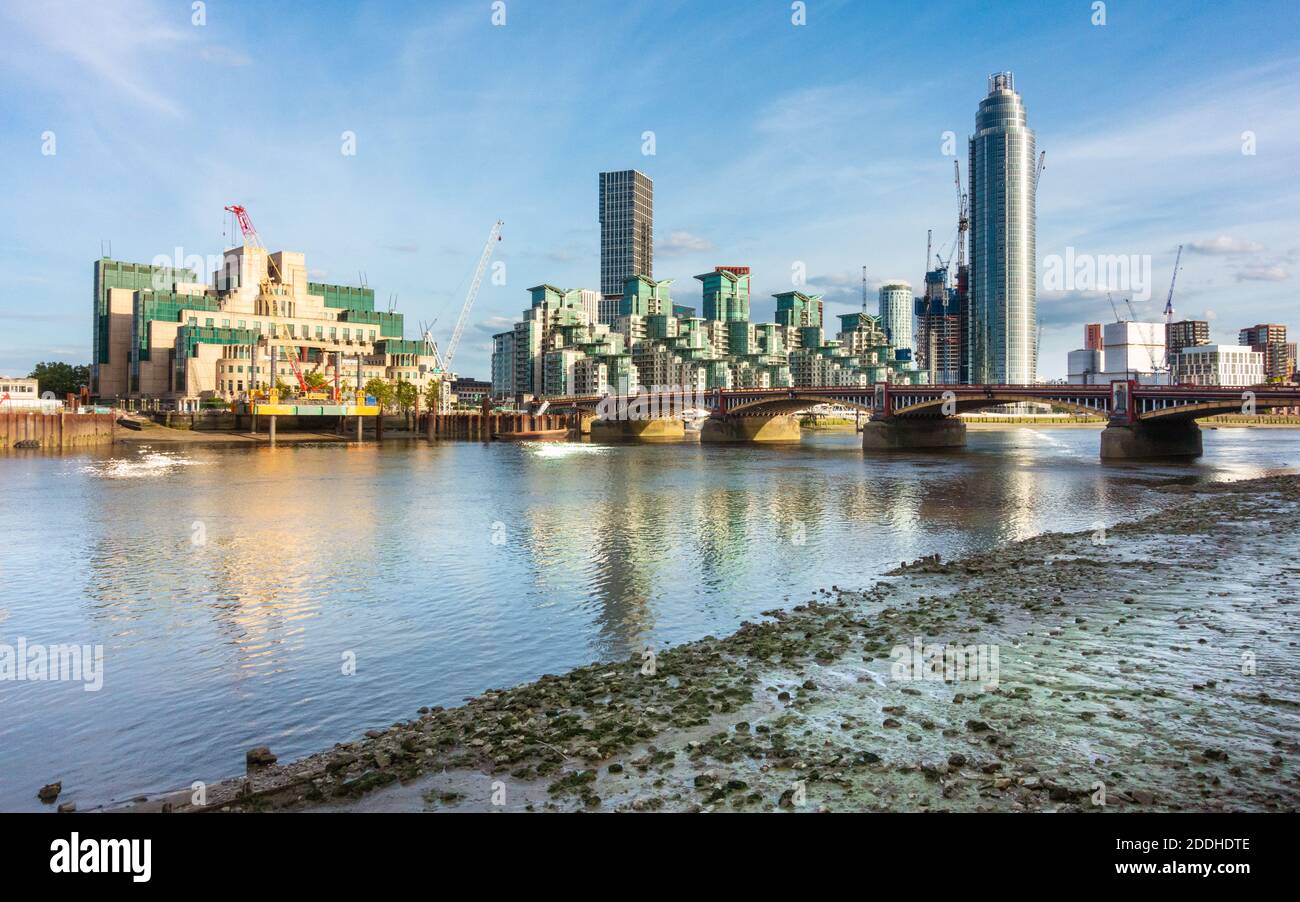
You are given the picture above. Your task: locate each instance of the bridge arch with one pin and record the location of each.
(934, 406)
(788, 405)
(1194, 411)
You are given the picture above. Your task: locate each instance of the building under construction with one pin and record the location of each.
(939, 329)
(164, 339)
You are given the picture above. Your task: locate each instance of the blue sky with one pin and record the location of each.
(775, 145)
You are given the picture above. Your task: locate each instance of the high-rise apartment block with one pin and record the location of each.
(896, 308)
(1188, 333)
(1270, 340)
(1002, 319)
(626, 230)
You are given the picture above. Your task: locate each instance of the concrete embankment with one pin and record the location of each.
(1144, 666)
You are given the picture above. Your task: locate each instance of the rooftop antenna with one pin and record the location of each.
(929, 243)
(864, 289)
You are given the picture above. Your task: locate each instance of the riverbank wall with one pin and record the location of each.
(481, 427)
(56, 431)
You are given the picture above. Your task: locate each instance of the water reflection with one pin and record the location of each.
(452, 568)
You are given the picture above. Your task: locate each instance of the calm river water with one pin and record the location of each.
(230, 585)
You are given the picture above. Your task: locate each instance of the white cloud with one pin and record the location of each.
(1223, 245)
(681, 242)
(1261, 274)
(224, 56)
(112, 43)
(494, 324)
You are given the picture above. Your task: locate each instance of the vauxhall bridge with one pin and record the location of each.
(1144, 421)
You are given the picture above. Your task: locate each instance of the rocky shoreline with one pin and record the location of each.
(1151, 665)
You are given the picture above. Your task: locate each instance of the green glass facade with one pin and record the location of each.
(344, 297)
(111, 273)
(390, 324)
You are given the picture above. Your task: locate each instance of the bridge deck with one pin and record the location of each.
(1128, 401)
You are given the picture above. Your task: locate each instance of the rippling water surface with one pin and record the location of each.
(228, 585)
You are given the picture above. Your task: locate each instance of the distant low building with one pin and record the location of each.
(1130, 351)
(22, 393)
(1084, 366)
(470, 392)
(1220, 365)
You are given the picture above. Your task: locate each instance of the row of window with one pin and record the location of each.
(210, 323)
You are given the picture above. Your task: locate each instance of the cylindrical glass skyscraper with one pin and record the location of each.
(896, 303)
(1002, 318)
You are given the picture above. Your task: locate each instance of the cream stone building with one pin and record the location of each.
(164, 339)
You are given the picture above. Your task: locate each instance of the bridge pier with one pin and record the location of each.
(1151, 438)
(665, 430)
(905, 434)
(783, 428)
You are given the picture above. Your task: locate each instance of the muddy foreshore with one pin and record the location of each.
(1152, 665)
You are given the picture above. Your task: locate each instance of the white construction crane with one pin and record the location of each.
(1169, 306)
(1169, 301)
(430, 343)
(493, 237)
(963, 217)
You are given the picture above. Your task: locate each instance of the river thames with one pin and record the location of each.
(233, 588)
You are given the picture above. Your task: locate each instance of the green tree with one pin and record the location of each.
(380, 390)
(405, 394)
(60, 378)
(315, 381)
